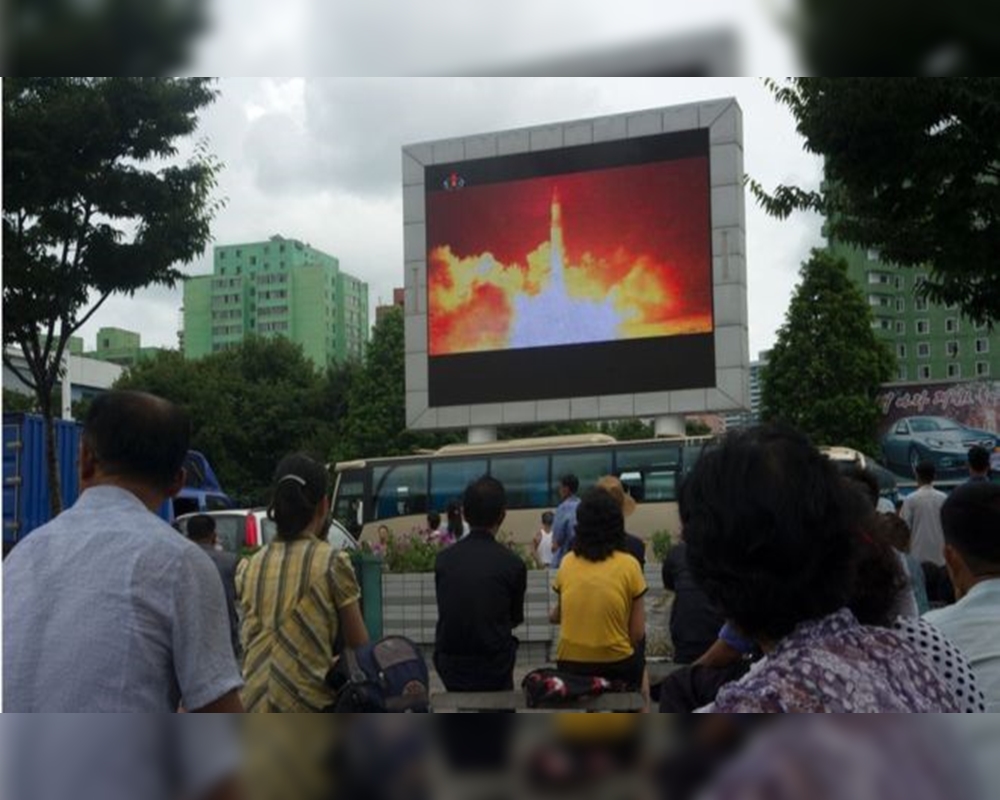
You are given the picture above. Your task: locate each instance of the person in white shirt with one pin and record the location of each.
(922, 512)
(543, 542)
(971, 519)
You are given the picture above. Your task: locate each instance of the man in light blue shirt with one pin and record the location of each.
(564, 527)
(107, 608)
(971, 521)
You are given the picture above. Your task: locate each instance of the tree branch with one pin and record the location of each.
(9, 363)
(89, 314)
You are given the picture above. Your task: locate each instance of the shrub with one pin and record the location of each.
(662, 542)
(413, 552)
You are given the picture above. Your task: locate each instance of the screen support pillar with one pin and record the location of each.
(482, 434)
(670, 425)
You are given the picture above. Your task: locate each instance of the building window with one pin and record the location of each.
(924, 372)
(923, 327)
(982, 369)
(239, 253)
(951, 348)
(920, 304)
(951, 325)
(923, 350)
(900, 305)
(878, 279)
(901, 351)
(901, 327)
(872, 254)
(899, 282)
(954, 370)
(222, 255)
(253, 261)
(901, 374)
(982, 345)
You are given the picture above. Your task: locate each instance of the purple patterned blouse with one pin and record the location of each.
(836, 665)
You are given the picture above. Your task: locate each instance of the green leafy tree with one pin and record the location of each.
(91, 208)
(696, 427)
(825, 370)
(912, 171)
(375, 422)
(250, 406)
(16, 402)
(625, 430)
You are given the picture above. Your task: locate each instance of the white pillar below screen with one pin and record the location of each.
(483, 434)
(671, 425)
(67, 390)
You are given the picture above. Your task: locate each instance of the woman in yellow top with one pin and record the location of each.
(600, 589)
(297, 594)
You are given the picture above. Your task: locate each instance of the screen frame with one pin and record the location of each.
(730, 392)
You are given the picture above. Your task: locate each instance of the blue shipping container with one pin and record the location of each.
(25, 472)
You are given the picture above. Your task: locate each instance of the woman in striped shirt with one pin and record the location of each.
(297, 595)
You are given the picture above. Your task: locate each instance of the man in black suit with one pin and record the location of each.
(480, 595)
(201, 531)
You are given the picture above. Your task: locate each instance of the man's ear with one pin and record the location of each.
(953, 558)
(177, 483)
(87, 464)
(957, 568)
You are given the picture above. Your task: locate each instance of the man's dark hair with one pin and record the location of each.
(484, 503)
(971, 521)
(863, 479)
(600, 526)
(433, 520)
(201, 528)
(138, 436)
(926, 472)
(571, 482)
(979, 459)
(300, 484)
(767, 522)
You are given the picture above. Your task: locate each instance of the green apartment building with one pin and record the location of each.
(931, 342)
(280, 287)
(122, 347)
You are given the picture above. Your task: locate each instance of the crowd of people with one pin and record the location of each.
(793, 591)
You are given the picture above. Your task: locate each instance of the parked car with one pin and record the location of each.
(940, 440)
(249, 528)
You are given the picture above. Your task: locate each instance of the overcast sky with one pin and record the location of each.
(319, 160)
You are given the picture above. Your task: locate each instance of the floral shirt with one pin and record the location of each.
(837, 665)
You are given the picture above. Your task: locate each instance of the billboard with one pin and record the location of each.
(587, 270)
(938, 422)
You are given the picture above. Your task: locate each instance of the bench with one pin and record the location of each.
(465, 702)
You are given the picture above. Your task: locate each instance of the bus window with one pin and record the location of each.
(526, 480)
(649, 473)
(587, 466)
(349, 510)
(399, 490)
(449, 479)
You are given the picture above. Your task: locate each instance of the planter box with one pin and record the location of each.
(409, 608)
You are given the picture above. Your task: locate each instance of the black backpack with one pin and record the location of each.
(387, 676)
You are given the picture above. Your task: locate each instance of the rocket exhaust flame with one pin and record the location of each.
(618, 262)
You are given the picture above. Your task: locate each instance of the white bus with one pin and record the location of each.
(399, 492)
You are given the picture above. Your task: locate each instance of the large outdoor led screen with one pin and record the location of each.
(572, 272)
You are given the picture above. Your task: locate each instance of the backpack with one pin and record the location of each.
(387, 676)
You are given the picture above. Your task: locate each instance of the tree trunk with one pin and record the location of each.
(55, 484)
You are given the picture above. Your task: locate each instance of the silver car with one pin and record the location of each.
(249, 528)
